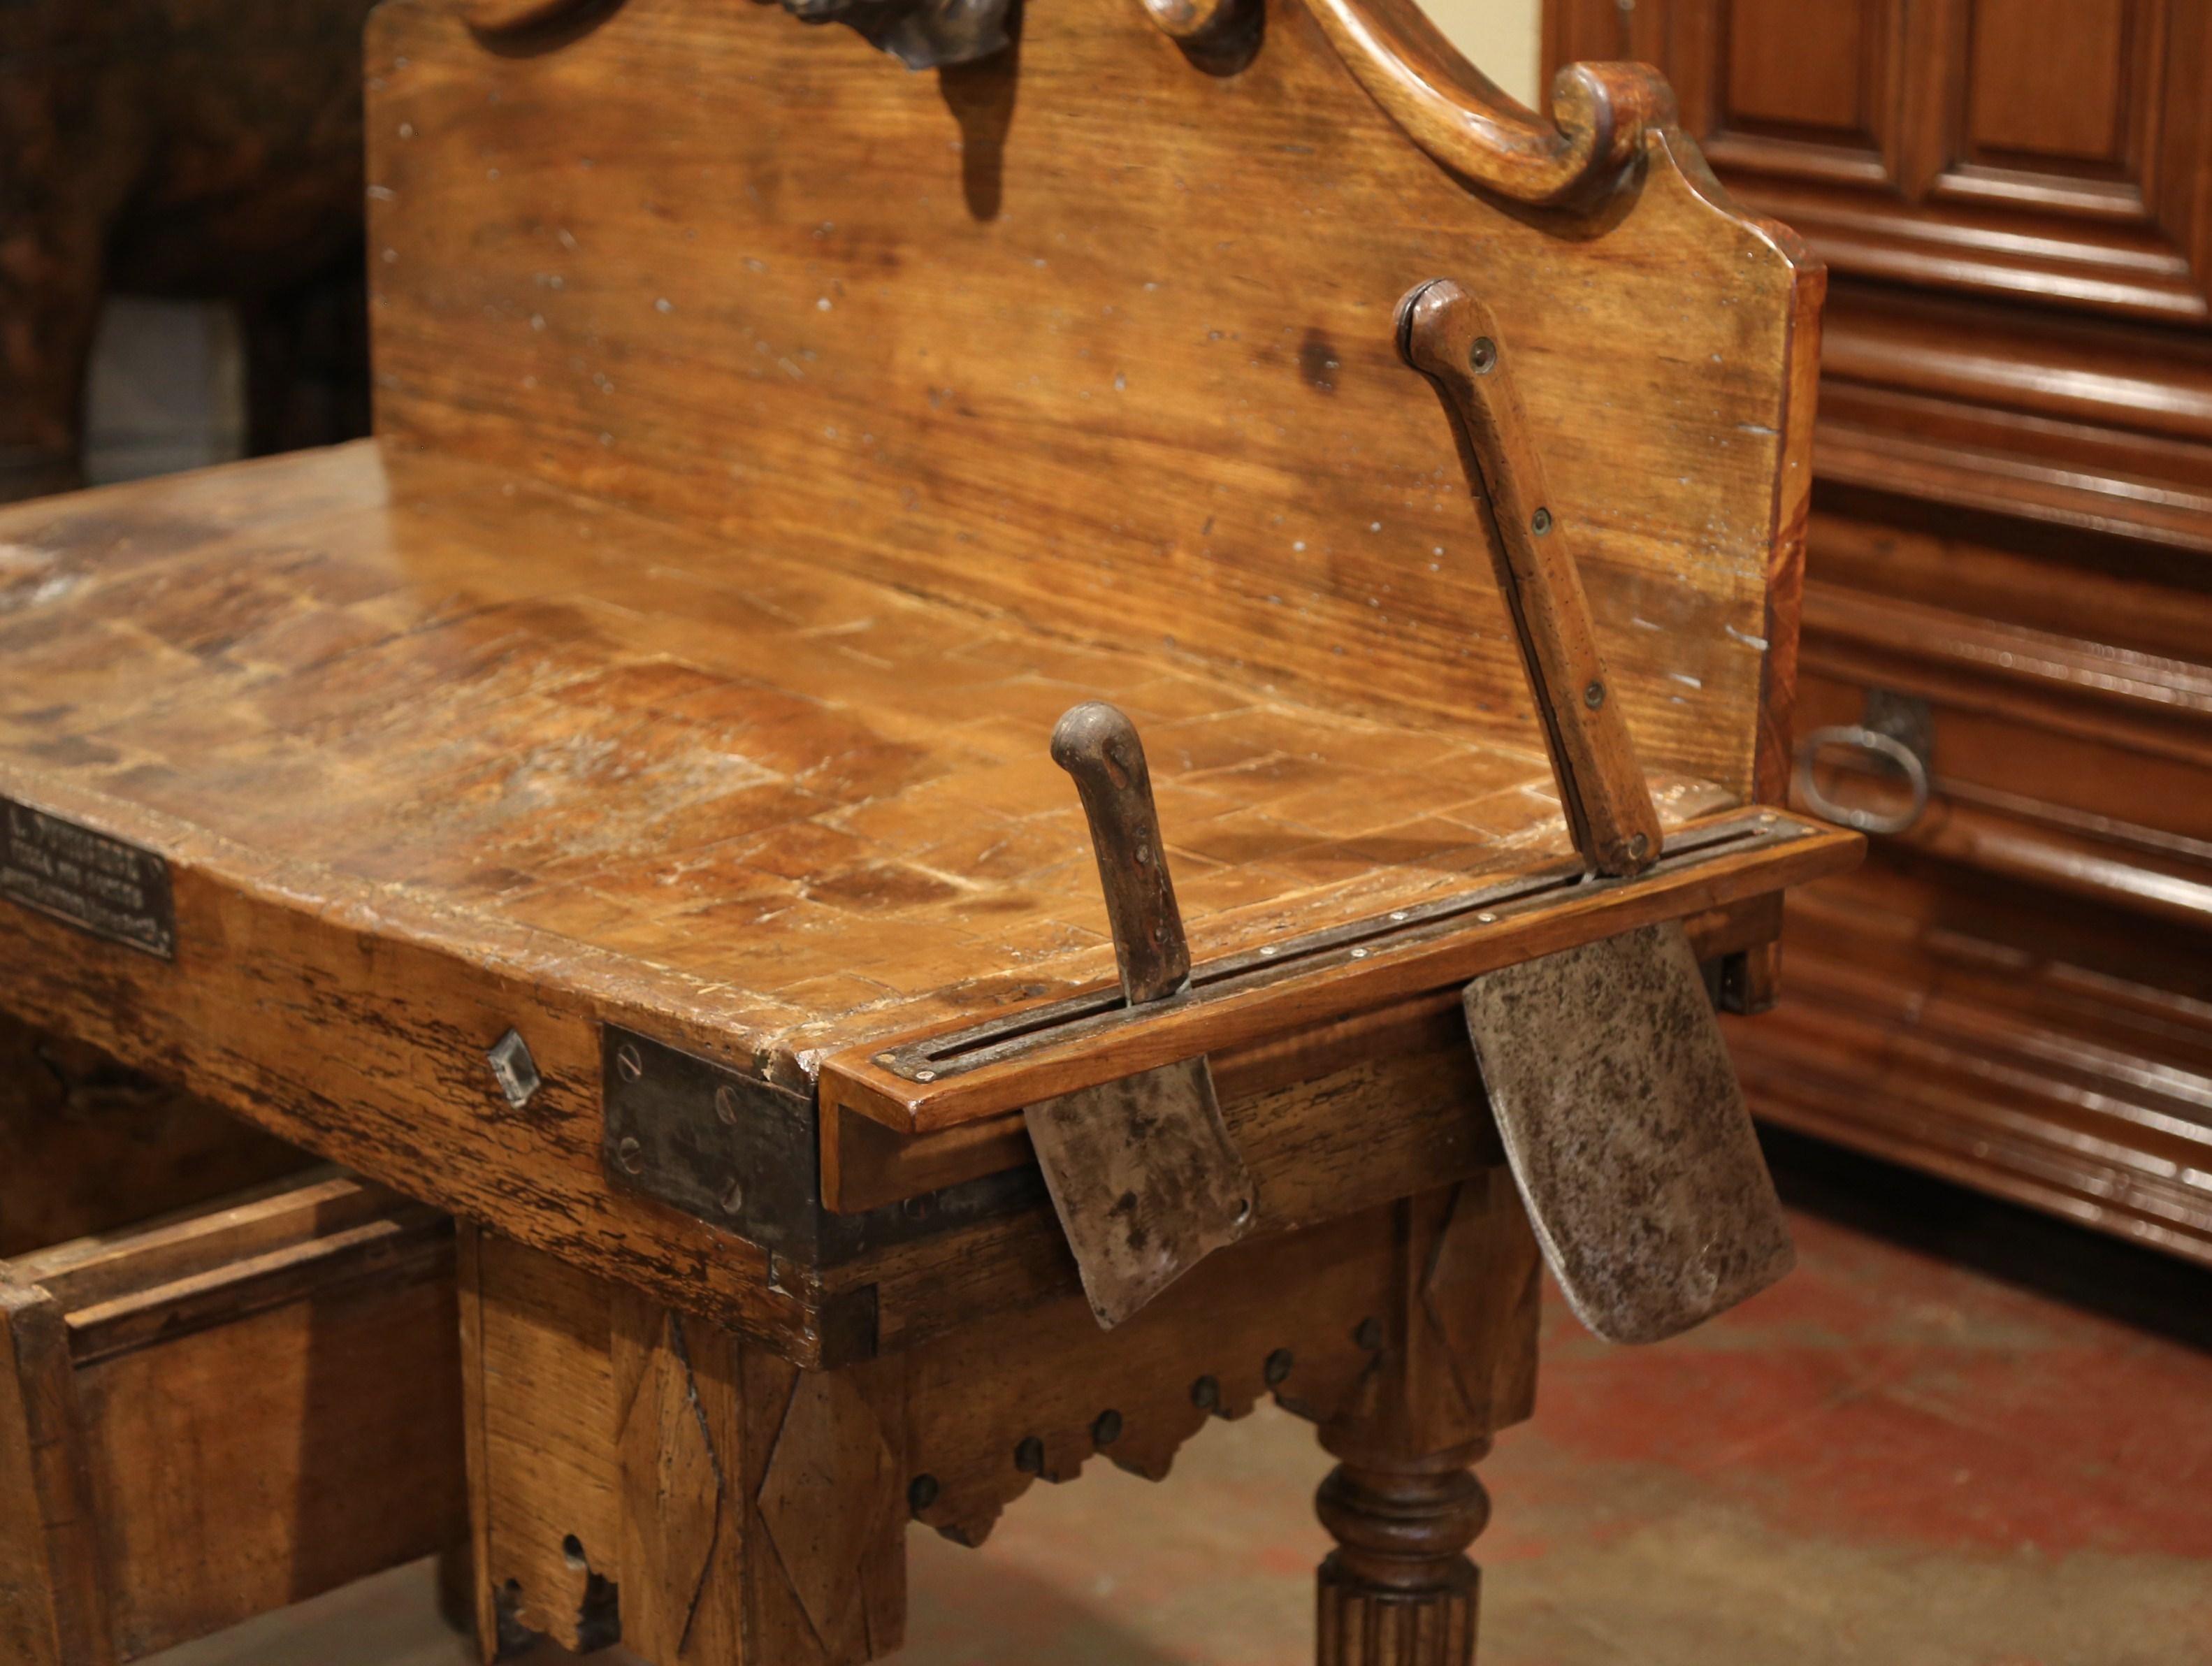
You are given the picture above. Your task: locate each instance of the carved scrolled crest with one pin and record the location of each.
(1600, 112)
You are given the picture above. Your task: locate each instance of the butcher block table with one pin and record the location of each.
(615, 806)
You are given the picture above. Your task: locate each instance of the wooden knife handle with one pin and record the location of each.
(1451, 338)
(1097, 744)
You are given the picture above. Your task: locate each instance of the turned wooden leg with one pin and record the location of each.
(1454, 1359)
(1399, 1590)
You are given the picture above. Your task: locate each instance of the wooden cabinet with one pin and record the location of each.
(2009, 573)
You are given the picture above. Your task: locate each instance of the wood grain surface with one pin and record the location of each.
(1108, 346)
(703, 1501)
(88, 1145)
(1455, 340)
(240, 1408)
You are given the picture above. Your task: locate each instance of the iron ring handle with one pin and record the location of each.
(1908, 762)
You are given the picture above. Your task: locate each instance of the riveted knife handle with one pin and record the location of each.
(1097, 744)
(1452, 338)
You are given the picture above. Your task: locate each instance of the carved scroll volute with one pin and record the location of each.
(1600, 111)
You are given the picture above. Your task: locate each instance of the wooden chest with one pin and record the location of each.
(2006, 577)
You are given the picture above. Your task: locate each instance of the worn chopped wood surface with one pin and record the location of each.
(789, 805)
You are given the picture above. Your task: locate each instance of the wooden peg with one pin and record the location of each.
(1451, 338)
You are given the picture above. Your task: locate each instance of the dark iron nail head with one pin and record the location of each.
(513, 1069)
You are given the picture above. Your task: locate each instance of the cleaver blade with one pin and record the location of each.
(1627, 1133)
(1145, 1180)
(1142, 1171)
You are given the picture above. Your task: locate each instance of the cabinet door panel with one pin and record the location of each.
(2014, 149)
(2045, 83)
(1789, 66)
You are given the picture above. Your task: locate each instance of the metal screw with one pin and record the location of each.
(1206, 1394)
(1107, 1430)
(1359, 954)
(726, 1104)
(921, 1492)
(1487, 918)
(1482, 357)
(924, 1075)
(1369, 1334)
(1279, 1366)
(733, 1197)
(1397, 913)
(1029, 1457)
(1540, 522)
(1266, 948)
(1637, 846)
(629, 1154)
(628, 1063)
(1594, 696)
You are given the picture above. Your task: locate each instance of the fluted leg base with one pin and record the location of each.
(1399, 1590)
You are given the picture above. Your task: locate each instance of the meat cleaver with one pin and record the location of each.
(1142, 1171)
(1612, 1086)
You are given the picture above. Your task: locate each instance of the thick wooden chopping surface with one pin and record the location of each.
(780, 809)
(427, 759)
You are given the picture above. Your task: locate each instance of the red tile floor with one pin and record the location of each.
(1959, 1435)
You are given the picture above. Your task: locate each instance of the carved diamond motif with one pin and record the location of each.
(819, 1496)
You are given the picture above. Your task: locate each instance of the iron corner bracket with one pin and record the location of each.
(745, 1155)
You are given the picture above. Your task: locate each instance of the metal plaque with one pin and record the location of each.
(98, 884)
(1145, 1178)
(1627, 1133)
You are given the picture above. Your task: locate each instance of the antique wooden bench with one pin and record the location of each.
(613, 805)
